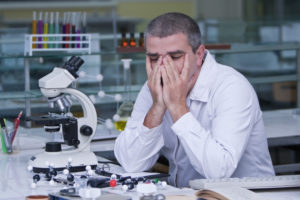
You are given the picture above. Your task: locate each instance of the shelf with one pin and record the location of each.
(18, 95)
(60, 54)
(142, 49)
(215, 49)
(88, 91)
(217, 46)
(130, 50)
(273, 79)
(251, 48)
(57, 4)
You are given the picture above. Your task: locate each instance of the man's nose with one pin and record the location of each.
(160, 61)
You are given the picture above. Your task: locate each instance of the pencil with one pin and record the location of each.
(16, 124)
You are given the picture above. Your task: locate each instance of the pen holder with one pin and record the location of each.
(15, 146)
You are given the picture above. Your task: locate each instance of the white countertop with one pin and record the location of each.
(15, 180)
(281, 123)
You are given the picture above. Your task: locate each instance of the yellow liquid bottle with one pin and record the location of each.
(121, 124)
(124, 112)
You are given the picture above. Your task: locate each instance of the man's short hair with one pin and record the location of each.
(172, 23)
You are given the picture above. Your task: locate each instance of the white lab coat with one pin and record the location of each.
(222, 135)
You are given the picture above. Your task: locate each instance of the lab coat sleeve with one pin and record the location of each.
(137, 147)
(215, 153)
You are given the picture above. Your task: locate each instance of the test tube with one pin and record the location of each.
(45, 30)
(73, 28)
(83, 28)
(78, 31)
(68, 19)
(51, 29)
(64, 28)
(33, 28)
(84, 22)
(57, 45)
(40, 28)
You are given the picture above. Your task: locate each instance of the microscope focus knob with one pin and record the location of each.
(53, 147)
(86, 130)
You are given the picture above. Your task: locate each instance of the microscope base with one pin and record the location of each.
(59, 160)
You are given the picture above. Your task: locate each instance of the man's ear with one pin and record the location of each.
(200, 54)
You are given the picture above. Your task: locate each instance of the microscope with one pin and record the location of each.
(77, 132)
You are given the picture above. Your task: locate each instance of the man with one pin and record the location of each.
(204, 117)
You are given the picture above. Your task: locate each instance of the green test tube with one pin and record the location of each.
(51, 29)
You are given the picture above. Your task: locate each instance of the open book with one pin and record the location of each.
(228, 193)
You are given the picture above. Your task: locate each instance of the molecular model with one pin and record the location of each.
(101, 94)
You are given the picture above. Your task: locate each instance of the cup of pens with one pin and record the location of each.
(9, 141)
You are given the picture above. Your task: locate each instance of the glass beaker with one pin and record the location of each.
(126, 107)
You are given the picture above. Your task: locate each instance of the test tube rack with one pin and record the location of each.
(36, 43)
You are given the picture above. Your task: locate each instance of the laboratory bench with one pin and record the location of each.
(283, 132)
(15, 182)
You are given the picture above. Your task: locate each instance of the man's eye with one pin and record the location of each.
(176, 57)
(153, 59)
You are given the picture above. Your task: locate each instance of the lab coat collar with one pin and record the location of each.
(202, 87)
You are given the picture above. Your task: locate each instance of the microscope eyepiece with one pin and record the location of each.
(73, 64)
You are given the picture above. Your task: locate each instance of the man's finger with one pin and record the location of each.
(164, 75)
(148, 67)
(157, 76)
(171, 69)
(186, 67)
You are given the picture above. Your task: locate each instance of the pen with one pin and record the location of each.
(5, 136)
(16, 124)
(3, 141)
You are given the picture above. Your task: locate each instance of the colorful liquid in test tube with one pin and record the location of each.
(83, 28)
(51, 30)
(64, 28)
(73, 28)
(40, 28)
(68, 28)
(78, 31)
(45, 30)
(34, 28)
(57, 31)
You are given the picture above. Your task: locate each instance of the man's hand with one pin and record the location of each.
(154, 82)
(155, 115)
(176, 87)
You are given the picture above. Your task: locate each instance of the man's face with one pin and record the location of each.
(176, 46)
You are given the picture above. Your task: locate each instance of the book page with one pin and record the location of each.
(228, 193)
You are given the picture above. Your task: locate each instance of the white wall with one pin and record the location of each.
(222, 9)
